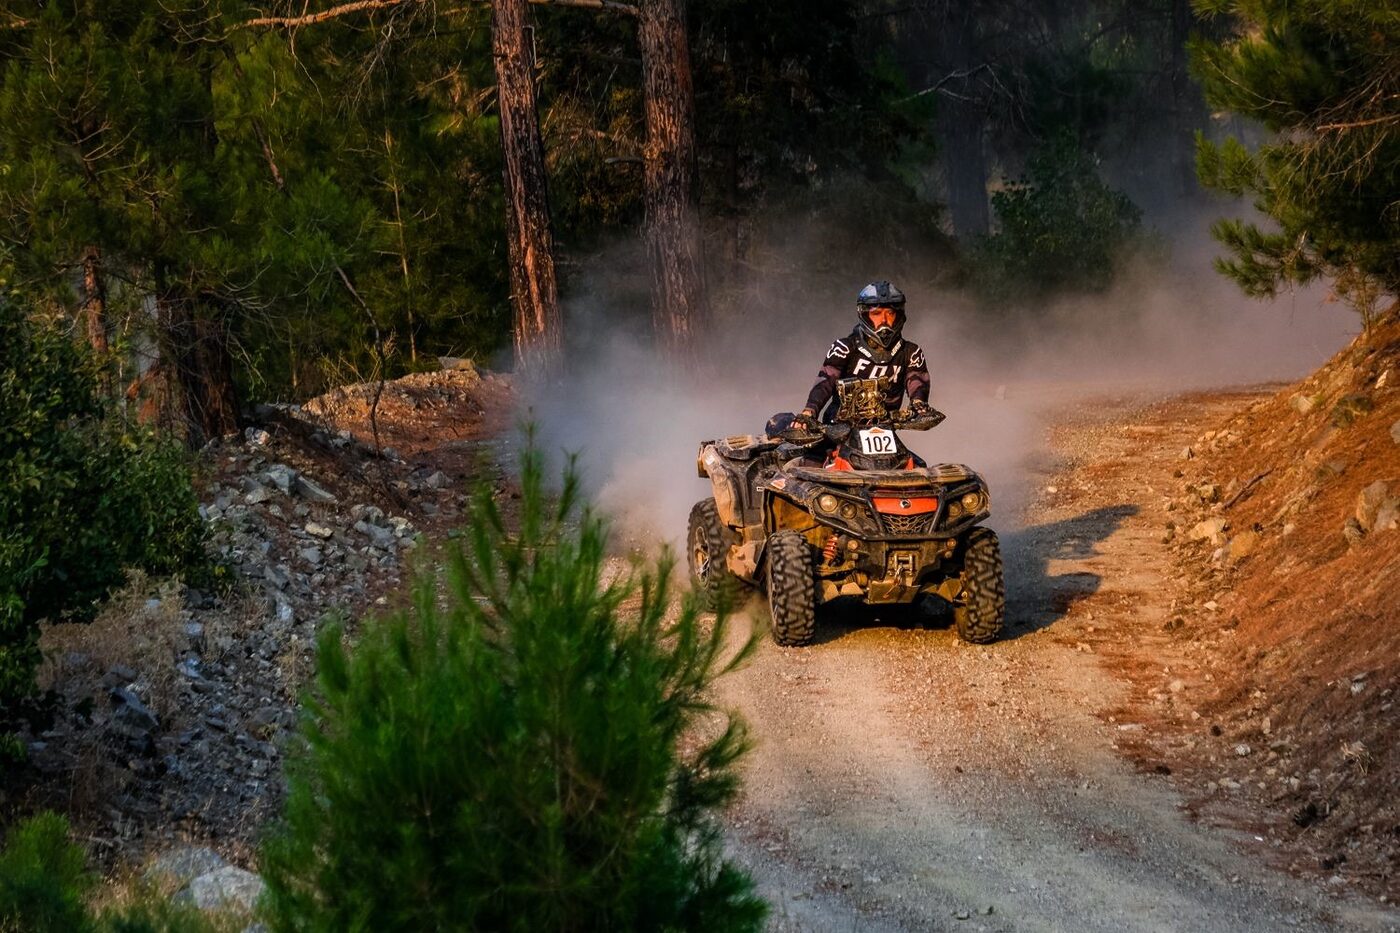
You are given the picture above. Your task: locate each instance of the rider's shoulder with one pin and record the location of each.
(912, 352)
(841, 347)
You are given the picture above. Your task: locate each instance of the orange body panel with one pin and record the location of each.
(898, 506)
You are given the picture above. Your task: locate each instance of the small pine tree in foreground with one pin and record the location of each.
(526, 748)
(45, 886)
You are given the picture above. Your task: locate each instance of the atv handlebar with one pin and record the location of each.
(916, 421)
(904, 418)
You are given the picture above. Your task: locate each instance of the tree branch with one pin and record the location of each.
(611, 6)
(334, 12)
(359, 6)
(1389, 118)
(951, 76)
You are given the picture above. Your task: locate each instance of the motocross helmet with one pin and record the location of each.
(880, 294)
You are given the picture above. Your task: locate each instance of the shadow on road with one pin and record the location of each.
(1034, 598)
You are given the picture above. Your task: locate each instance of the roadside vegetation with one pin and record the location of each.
(85, 497)
(1324, 79)
(529, 746)
(47, 887)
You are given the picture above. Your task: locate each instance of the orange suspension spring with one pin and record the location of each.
(829, 552)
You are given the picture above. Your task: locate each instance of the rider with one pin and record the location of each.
(874, 349)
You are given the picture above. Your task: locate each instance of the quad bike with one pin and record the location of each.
(844, 509)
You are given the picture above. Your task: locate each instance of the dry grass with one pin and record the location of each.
(130, 893)
(141, 628)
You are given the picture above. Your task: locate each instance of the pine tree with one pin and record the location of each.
(1324, 78)
(528, 747)
(109, 143)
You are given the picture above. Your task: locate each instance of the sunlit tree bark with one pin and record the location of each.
(529, 232)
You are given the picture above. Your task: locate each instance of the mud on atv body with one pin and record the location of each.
(807, 534)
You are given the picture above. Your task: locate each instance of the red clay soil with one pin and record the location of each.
(1292, 648)
(443, 421)
(421, 412)
(1319, 618)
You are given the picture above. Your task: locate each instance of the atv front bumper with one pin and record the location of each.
(886, 572)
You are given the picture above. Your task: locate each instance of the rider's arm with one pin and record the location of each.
(916, 377)
(825, 386)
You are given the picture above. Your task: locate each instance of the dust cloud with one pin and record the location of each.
(635, 420)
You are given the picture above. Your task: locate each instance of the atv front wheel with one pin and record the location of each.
(792, 589)
(983, 610)
(710, 539)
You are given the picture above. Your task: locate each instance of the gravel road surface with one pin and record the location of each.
(903, 780)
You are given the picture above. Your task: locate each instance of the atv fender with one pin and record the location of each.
(726, 486)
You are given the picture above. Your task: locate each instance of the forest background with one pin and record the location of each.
(227, 202)
(248, 202)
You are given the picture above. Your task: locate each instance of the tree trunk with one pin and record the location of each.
(1186, 105)
(680, 305)
(94, 307)
(960, 124)
(529, 232)
(195, 347)
(964, 168)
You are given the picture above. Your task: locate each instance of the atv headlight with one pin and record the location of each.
(955, 510)
(971, 502)
(848, 510)
(828, 503)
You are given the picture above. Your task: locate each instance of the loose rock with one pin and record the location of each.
(1241, 546)
(281, 476)
(1212, 530)
(308, 489)
(181, 866)
(379, 536)
(1369, 503)
(1353, 532)
(316, 529)
(224, 888)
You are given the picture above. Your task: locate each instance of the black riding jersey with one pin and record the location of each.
(851, 357)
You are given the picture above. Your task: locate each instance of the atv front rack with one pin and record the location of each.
(918, 477)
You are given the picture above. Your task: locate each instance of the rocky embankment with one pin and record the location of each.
(171, 711)
(1285, 531)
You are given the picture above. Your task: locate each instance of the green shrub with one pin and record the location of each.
(1060, 230)
(83, 496)
(43, 878)
(44, 883)
(507, 755)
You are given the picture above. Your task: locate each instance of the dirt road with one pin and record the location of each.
(902, 780)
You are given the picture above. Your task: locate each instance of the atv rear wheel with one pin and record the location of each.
(792, 589)
(710, 539)
(983, 610)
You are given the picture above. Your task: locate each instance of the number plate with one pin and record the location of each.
(877, 441)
